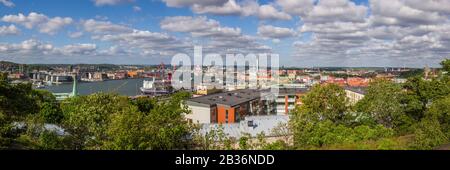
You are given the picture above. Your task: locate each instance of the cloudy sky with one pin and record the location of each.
(411, 33)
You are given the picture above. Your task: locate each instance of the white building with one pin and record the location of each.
(355, 94)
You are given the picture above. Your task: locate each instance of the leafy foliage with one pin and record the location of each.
(428, 134)
(421, 93)
(383, 103)
(51, 113)
(324, 102)
(318, 134)
(446, 65)
(108, 121)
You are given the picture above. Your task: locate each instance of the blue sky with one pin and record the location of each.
(303, 32)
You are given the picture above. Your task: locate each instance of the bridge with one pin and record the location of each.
(63, 96)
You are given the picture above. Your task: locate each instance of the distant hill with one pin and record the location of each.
(7, 63)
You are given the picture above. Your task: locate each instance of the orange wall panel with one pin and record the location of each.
(221, 111)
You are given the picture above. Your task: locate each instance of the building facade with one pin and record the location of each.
(229, 107)
(288, 99)
(355, 94)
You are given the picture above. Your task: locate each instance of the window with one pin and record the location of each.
(213, 115)
(226, 116)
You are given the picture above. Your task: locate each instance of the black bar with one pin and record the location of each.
(281, 159)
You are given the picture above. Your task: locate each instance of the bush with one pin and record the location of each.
(326, 133)
(51, 113)
(49, 140)
(428, 135)
(277, 145)
(388, 144)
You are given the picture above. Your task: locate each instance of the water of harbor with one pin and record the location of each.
(127, 87)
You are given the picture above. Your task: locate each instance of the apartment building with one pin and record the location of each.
(355, 94)
(288, 98)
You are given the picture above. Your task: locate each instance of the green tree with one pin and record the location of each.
(428, 134)
(109, 121)
(51, 113)
(244, 143)
(383, 102)
(323, 107)
(3, 76)
(5, 126)
(167, 124)
(214, 139)
(17, 101)
(164, 127)
(440, 111)
(446, 65)
(50, 140)
(86, 118)
(144, 105)
(326, 133)
(283, 130)
(277, 145)
(421, 93)
(324, 102)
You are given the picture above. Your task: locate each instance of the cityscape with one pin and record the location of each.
(298, 75)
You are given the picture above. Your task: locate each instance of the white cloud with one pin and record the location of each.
(228, 8)
(215, 38)
(394, 33)
(440, 6)
(141, 40)
(101, 17)
(45, 24)
(7, 3)
(104, 27)
(29, 21)
(31, 46)
(188, 3)
(137, 9)
(110, 2)
(9, 30)
(78, 49)
(336, 11)
(54, 24)
(197, 26)
(270, 12)
(231, 7)
(115, 50)
(296, 7)
(75, 34)
(395, 12)
(270, 31)
(136, 37)
(333, 32)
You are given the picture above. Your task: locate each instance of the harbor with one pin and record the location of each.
(126, 87)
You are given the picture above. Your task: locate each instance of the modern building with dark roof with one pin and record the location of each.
(230, 107)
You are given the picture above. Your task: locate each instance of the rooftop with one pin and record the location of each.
(360, 90)
(292, 90)
(252, 125)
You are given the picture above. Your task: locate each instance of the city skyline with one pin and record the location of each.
(305, 33)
